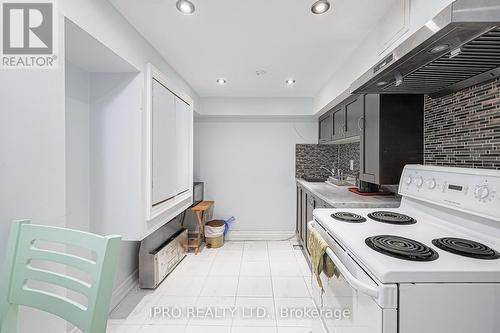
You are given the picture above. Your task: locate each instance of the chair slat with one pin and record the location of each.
(37, 274)
(78, 238)
(80, 263)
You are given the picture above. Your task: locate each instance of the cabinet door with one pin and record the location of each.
(164, 151)
(326, 128)
(311, 204)
(339, 123)
(370, 140)
(183, 160)
(303, 224)
(298, 213)
(353, 113)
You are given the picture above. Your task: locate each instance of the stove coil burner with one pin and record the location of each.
(348, 217)
(466, 248)
(392, 218)
(401, 248)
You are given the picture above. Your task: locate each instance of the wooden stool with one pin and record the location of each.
(200, 210)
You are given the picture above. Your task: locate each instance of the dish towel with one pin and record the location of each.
(320, 261)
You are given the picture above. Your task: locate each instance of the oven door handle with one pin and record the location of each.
(351, 279)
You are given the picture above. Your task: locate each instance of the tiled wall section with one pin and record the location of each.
(310, 158)
(348, 152)
(463, 129)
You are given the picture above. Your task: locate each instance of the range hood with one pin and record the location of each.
(459, 48)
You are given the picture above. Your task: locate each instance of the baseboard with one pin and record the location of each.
(240, 235)
(129, 284)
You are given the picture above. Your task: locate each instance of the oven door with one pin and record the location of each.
(349, 301)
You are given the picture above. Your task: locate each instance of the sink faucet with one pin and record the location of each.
(329, 170)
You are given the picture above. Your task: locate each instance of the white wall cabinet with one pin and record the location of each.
(163, 122)
(169, 149)
(184, 126)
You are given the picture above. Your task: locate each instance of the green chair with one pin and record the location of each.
(22, 249)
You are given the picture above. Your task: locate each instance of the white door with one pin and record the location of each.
(184, 135)
(164, 167)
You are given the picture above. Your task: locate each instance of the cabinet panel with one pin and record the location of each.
(326, 128)
(304, 217)
(298, 213)
(183, 121)
(370, 138)
(164, 172)
(339, 123)
(311, 205)
(354, 111)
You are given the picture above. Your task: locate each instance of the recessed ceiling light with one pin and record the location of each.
(290, 82)
(185, 6)
(320, 7)
(381, 83)
(439, 48)
(221, 81)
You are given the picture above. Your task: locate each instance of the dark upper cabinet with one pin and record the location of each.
(338, 124)
(389, 128)
(326, 127)
(353, 116)
(343, 121)
(392, 136)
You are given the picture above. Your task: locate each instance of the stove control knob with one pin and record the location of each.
(408, 180)
(431, 184)
(482, 192)
(419, 181)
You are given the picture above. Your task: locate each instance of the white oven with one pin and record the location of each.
(352, 301)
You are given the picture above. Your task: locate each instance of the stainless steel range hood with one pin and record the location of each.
(460, 47)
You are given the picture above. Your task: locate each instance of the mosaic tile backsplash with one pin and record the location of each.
(463, 129)
(310, 158)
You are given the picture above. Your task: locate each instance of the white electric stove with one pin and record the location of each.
(431, 265)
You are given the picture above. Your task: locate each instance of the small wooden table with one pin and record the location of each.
(200, 210)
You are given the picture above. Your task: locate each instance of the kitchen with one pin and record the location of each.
(379, 136)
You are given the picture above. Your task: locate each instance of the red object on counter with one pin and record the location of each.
(369, 194)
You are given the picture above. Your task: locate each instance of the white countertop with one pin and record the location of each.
(341, 197)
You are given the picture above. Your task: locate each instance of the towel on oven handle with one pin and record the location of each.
(320, 261)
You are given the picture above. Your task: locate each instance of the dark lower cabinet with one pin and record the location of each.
(311, 205)
(306, 203)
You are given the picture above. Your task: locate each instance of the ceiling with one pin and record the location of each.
(232, 39)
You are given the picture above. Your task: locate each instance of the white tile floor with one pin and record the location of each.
(240, 276)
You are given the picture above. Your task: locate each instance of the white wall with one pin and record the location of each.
(248, 164)
(261, 106)
(32, 162)
(367, 54)
(77, 148)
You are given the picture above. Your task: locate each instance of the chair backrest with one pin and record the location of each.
(23, 250)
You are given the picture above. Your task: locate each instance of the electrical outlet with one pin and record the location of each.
(351, 165)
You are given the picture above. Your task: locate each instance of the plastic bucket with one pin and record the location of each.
(215, 242)
(214, 233)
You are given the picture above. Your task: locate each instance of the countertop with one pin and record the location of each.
(341, 197)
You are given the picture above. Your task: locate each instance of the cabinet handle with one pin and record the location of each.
(360, 121)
